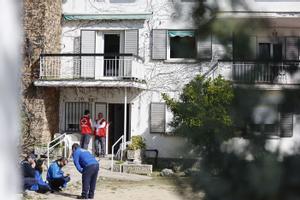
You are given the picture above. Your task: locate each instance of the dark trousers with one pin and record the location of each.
(100, 145)
(56, 183)
(28, 182)
(43, 189)
(89, 179)
(85, 140)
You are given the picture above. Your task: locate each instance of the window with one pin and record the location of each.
(157, 117)
(73, 113)
(269, 51)
(182, 44)
(272, 122)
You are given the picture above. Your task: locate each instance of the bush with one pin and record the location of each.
(137, 142)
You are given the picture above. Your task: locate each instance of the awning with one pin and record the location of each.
(110, 16)
(181, 33)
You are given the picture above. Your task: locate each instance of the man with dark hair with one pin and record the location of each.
(28, 170)
(86, 129)
(55, 176)
(88, 166)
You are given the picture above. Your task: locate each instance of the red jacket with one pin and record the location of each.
(85, 125)
(101, 131)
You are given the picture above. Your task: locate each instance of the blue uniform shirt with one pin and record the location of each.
(54, 171)
(83, 158)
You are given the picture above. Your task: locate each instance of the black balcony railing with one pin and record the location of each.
(281, 72)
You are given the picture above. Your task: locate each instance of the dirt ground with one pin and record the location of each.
(157, 188)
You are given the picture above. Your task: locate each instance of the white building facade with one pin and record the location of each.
(119, 56)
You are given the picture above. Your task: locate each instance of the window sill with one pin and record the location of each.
(181, 60)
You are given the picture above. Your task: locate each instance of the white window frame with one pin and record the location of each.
(169, 59)
(100, 49)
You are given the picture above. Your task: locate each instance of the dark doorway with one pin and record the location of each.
(116, 119)
(111, 59)
(277, 52)
(264, 51)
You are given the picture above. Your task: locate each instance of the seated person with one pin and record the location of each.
(55, 176)
(27, 167)
(41, 186)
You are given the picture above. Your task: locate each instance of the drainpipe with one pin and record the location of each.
(125, 117)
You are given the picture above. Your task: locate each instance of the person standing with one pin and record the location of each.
(55, 176)
(100, 135)
(88, 166)
(86, 129)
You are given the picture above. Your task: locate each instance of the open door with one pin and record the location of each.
(116, 119)
(111, 51)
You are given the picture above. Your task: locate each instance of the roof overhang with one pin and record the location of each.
(86, 83)
(107, 16)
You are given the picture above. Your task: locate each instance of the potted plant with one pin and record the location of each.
(135, 149)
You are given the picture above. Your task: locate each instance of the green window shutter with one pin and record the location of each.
(88, 45)
(131, 41)
(159, 44)
(292, 48)
(157, 117)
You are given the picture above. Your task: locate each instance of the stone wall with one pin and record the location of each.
(42, 32)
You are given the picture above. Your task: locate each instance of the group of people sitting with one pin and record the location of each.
(32, 170)
(84, 161)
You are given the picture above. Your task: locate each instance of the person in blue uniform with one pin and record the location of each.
(56, 177)
(88, 166)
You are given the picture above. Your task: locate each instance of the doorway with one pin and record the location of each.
(116, 120)
(111, 51)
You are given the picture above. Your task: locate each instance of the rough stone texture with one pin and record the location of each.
(167, 172)
(137, 169)
(42, 32)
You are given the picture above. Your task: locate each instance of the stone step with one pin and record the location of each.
(130, 168)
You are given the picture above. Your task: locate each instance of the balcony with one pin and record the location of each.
(107, 70)
(260, 73)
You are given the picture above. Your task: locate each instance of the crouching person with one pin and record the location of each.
(88, 166)
(41, 186)
(28, 170)
(56, 177)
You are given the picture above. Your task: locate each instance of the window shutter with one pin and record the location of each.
(159, 44)
(157, 117)
(76, 50)
(88, 45)
(131, 41)
(204, 47)
(286, 124)
(292, 48)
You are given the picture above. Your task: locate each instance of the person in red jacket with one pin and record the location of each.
(100, 135)
(86, 129)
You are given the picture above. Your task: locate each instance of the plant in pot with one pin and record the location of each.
(135, 149)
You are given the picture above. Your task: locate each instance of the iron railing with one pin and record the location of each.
(90, 66)
(264, 72)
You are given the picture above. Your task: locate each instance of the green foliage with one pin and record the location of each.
(137, 142)
(202, 112)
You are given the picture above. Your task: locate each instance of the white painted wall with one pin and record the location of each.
(161, 76)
